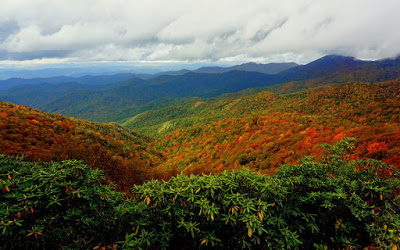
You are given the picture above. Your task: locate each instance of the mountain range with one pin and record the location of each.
(269, 68)
(119, 97)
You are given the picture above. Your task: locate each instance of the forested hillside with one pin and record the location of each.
(264, 130)
(124, 155)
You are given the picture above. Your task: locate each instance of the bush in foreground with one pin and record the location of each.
(332, 203)
(54, 205)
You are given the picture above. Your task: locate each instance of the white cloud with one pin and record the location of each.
(193, 31)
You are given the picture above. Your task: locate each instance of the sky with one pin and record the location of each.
(45, 33)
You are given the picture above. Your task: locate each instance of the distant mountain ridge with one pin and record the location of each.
(269, 68)
(321, 67)
(87, 80)
(126, 98)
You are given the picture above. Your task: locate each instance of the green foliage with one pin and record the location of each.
(334, 203)
(342, 202)
(54, 205)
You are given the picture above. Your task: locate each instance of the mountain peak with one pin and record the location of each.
(333, 61)
(336, 58)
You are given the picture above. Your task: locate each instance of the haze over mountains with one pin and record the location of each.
(122, 88)
(270, 68)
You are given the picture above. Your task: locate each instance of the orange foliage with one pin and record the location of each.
(323, 115)
(40, 136)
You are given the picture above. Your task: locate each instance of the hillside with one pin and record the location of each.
(99, 105)
(125, 156)
(257, 130)
(264, 130)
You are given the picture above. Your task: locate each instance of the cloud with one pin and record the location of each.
(196, 31)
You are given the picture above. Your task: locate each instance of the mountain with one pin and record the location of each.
(125, 156)
(269, 68)
(334, 69)
(40, 94)
(98, 105)
(321, 68)
(173, 73)
(75, 72)
(86, 80)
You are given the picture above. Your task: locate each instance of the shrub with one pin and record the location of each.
(54, 205)
(334, 203)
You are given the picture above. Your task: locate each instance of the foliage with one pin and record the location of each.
(333, 203)
(263, 130)
(125, 156)
(54, 205)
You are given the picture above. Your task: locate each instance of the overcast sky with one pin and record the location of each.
(42, 32)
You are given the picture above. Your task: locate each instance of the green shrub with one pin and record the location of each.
(54, 205)
(334, 203)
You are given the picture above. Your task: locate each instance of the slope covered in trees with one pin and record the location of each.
(264, 130)
(124, 155)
